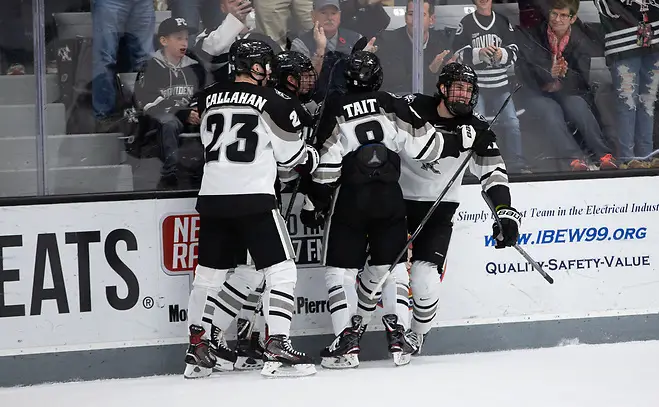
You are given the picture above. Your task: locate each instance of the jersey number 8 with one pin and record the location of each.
(243, 150)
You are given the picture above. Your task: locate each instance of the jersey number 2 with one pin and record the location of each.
(243, 150)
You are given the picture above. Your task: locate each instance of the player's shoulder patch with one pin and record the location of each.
(409, 98)
(282, 94)
(480, 119)
(460, 29)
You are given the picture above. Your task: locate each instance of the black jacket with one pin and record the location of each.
(395, 52)
(164, 88)
(533, 67)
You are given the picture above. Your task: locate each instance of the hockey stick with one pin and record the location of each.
(521, 251)
(438, 201)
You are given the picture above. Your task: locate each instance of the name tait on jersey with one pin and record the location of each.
(239, 98)
(360, 107)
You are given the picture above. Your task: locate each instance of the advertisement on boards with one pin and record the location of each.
(596, 238)
(117, 274)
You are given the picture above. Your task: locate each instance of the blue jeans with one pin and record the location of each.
(113, 19)
(635, 83)
(509, 136)
(194, 11)
(553, 111)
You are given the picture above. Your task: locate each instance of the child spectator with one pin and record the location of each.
(164, 90)
(486, 41)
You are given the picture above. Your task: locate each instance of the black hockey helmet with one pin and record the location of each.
(456, 72)
(363, 71)
(244, 53)
(298, 66)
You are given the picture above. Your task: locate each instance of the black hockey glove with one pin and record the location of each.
(310, 165)
(467, 136)
(483, 141)
(310, 216)
(510, 223)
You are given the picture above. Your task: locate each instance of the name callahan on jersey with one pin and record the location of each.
(240, 98)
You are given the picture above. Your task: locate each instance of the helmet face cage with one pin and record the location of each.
(297, 65)
(454, 98)
(363, 71)
(244, 54)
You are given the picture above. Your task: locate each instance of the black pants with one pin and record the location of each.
(224, 242)
(432, 243)
(366, 214)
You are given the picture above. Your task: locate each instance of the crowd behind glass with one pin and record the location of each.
(589, 74)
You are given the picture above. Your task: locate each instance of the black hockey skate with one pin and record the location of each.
(399, 346)
(415, 339)
(249, 351)
(199, 359)
(225, 357)
(343, 352)
(281, 360)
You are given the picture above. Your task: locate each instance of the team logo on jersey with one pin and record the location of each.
(282, 94)
(409, 98)
(179, 237)
(433, 166)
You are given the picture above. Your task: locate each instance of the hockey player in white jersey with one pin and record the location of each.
(292, 74)
(450, 109)
(247, 130)
(364, 133)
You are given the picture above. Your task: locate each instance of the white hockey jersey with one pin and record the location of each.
(425, 181)
(356, 119)
(247, 131)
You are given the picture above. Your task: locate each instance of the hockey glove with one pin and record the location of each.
(311, 163)
(510, 223)
(467, 136)
(484, 139)
(310, 216)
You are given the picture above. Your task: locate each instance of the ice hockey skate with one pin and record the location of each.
(224, 356)
(199, 360)
(399, 347)
(281, 360)
(415, 339)
(343, 352)
(249, 350)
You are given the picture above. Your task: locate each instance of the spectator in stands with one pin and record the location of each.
(164, 90)
(632, 55)
(326, 43)
(367, 17)
(113, 19)
(272, 17)
(194, 12)
(555, 72)
(396, 52)
(214, 42)
(486, 41)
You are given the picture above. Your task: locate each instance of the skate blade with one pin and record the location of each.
(340, 362)
(277, 369)
(247, 363)
(223, 366)
(196, 372)
(402, 358)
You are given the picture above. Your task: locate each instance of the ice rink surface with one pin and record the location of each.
(615, 375)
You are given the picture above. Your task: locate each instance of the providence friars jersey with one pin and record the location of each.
(425, 181)
(247, 131)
